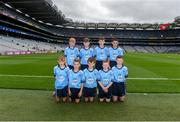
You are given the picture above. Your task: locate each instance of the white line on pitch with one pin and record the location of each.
(153, 78)
(43, 76)
(148, 78)
(28, 76)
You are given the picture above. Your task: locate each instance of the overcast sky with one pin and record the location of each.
(120, 11)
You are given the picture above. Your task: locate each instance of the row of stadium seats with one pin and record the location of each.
(152, 49)
(146, 34)
(18, 44)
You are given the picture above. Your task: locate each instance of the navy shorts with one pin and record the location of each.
(118, 89)
(84, 67)
(99, 65)
(113, 63)
(70, 66)
(74, 93)
(103, 94)
(89, 92)
(62, 92)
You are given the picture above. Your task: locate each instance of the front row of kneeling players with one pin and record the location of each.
(110, 82)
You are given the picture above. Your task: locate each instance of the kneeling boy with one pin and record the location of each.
(120, 74)
(90, 80)
(61, 79)
(75, 86)
(105, 82)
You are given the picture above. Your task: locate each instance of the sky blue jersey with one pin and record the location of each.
(85, 54)
(61, 77)
(101, 53)
(71, 54)
(114, 52)
(90, 78)
(120, 74)
(106, 77)
(75, 79)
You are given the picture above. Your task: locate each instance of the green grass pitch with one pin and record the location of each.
(153, 90)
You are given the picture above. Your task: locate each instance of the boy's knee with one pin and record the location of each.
(70, 100)
(64, 99)
(122, 99)
(108, 100)
(77, 100)
(57, 99)
(86, 99)
(115, 98)
(91, 99)
(101, 100)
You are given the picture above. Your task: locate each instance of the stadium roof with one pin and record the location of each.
(111, 25)
(42, 10)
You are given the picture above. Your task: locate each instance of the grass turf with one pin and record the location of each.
(38, 105)
(139, 65)
(161, 102)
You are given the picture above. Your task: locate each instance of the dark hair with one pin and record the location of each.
(91, 59)
(101, 38)
(77, 60)
(119, 57)
(115, 39)
(86, 40)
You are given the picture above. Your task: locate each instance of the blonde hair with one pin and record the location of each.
(106, 61)
(62, 59)
(72, 40)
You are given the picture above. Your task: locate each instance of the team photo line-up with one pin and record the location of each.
(81, 73)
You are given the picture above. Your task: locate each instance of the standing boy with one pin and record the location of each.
(71, 52)
(101, 53)
(85, 53)
(114, 51)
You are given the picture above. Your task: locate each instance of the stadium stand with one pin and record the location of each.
(18, 44)
(23, 21)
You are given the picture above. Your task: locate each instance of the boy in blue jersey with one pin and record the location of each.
(85, 53)
(114, 51)
(105, 81)
(90, 81)
(61, 79)
(120, 74)
(71, 52)
(101, 53)
(75, 86)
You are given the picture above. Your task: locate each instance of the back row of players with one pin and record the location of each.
(79, 73)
